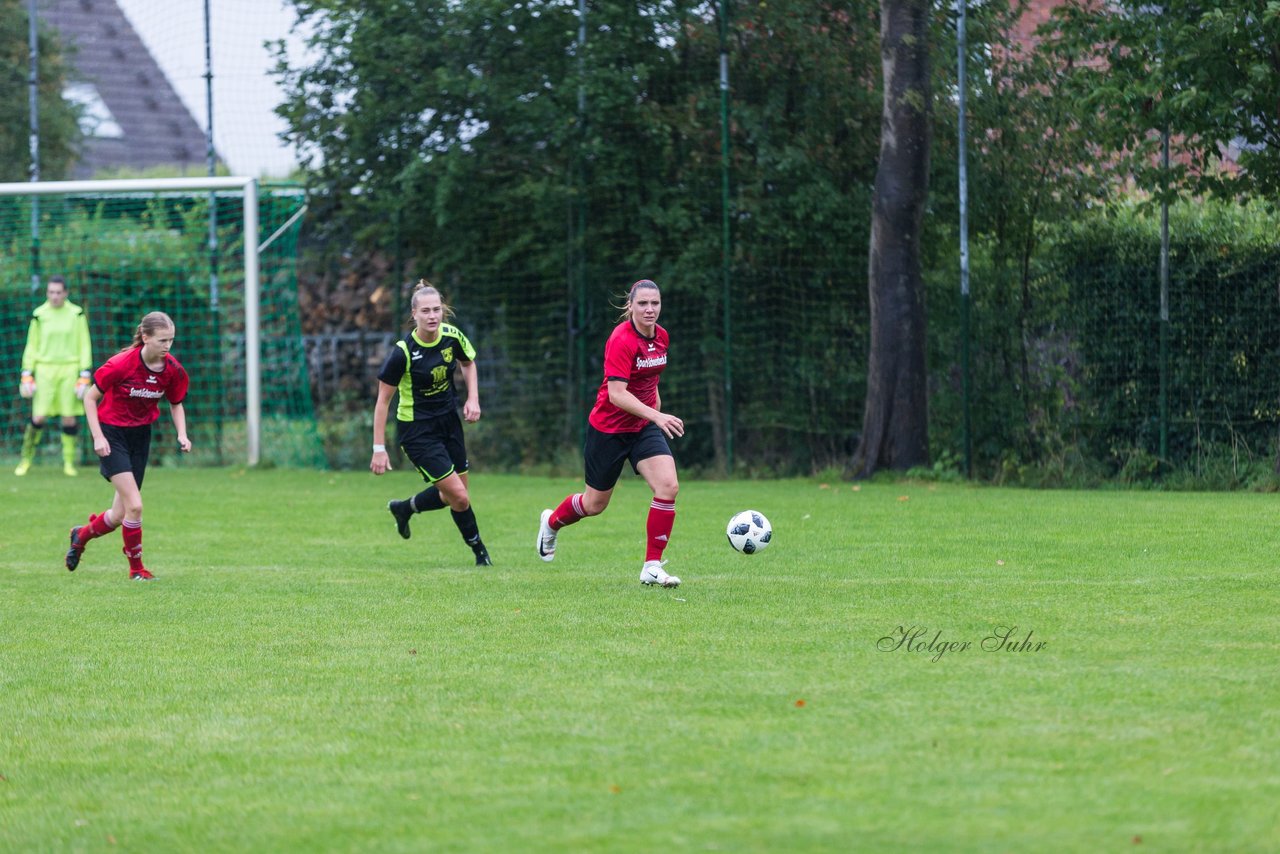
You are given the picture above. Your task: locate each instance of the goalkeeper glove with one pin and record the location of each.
(82, 384)
(27, 385)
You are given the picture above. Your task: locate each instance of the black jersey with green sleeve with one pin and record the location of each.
(423, 373)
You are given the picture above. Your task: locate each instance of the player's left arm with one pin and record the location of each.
(177, 395)
(622, 397)
(86, 345)
(470, 408)
(179, 413)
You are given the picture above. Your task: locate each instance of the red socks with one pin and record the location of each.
(569, 511)
(662, 517)
(132, 533)
(98, 525)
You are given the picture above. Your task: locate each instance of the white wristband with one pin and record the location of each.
(379, 449)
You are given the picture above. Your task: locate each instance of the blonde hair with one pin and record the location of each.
(425, 287)
(151, 323)
(642, 284)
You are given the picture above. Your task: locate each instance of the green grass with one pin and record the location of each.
(300, 678)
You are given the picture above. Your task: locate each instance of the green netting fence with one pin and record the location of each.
(1073, 366)
(124, 254)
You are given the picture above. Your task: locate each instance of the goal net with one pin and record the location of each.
(218, 255)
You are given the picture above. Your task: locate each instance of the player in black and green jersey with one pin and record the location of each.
(421, 368)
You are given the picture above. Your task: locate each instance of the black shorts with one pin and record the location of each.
(605, 452)
(434, 446)
(130, 450)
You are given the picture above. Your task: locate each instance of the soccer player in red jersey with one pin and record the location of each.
(121, 406)
(421, 367)
(627, 424)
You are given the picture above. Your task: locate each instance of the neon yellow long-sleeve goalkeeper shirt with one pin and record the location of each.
(58, 336)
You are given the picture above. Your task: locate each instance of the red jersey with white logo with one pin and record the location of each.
(629, 356)
(131, 391)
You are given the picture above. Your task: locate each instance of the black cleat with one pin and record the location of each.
(401, 511)
(482, 556)
(76, 550)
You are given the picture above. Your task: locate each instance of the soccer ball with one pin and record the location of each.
(749, 532)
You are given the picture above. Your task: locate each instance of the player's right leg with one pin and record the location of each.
(603, 457)
(99, 525)
(574, 508)
(425, 452)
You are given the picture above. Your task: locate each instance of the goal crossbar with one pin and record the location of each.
(252, 295)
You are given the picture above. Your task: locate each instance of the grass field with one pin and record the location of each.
(300, 678)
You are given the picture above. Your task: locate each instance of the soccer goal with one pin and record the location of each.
(219, 255)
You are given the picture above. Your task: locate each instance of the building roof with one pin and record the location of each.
(134, 118)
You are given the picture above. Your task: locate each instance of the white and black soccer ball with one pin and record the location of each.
(749, 532)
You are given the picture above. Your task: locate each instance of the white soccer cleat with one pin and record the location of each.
(546, 537)
(653, 573)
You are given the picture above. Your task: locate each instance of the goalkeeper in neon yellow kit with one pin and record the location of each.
(55, 372)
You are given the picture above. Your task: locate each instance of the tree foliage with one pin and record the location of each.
(458, 111)
(503, 155)
(1031, 164)
(1208, 73)
(59, 133)
(532, 175)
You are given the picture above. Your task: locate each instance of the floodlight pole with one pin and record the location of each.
(33, 105)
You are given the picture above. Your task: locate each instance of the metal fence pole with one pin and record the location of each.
(1164, 301)
(33, 105)
(579, 383)
(726, 248)
(961, 39)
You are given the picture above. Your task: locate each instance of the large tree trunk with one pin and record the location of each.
(895, 430)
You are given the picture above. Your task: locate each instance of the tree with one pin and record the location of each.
(895, 431)
(458, 127)
(1208, 73)
(59, 132)
(1031, 164)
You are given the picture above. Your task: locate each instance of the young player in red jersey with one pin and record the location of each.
(627, 424)
(121, 406)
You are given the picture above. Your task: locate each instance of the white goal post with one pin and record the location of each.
(252, 332)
